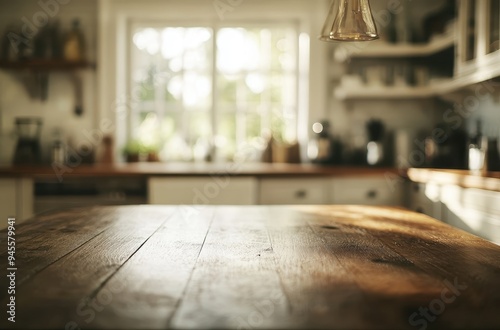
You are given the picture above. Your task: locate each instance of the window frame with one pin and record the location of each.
(315, 86)
(215, 110)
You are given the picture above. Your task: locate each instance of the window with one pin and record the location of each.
(213, 90)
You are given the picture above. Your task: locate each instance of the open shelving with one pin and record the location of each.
(388, 50)
(45, 65)
(440, 45)
(38, 71)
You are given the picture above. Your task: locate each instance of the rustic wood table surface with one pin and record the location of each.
(338, 267)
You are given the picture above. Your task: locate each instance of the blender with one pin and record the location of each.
(28, 149)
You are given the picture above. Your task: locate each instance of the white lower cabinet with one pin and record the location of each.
(473, 210)
(217, 190)
(289, 191)
(425, 199)
(367, 191)
(16, 200)
(272, 191)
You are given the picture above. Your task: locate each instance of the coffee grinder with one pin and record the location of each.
(28, 149)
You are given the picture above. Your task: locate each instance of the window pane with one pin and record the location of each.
(225, 140)
(199, 126)
(238, 50)
(253, 126)
(494, 13)
(228, 86)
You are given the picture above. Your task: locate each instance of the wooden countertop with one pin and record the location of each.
(191, 169)
(341, 267)
(462, 178)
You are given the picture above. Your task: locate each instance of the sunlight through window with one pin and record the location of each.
(215, 91)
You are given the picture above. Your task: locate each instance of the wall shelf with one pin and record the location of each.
(383, 93)
(408, 52)
(381, 49)
(36, 76)
(45, 65)
(437, 88)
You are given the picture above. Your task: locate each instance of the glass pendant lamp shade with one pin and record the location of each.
(349, 20)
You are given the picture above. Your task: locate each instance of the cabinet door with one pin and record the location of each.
(493, 22)
(478, 44)
(223, 190)
(425, 199)
(367, 191)
(8, 200)
(473, 210)
(16, 200)
(286, 191)
(484, 207)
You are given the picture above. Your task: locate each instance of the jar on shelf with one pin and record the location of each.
(74, 44)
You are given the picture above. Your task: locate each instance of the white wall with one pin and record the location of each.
(57, 110)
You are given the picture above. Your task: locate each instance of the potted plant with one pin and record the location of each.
(152, 153)
(136, 151)
(133, 151)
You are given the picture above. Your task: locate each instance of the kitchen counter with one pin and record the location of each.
(191, 169)
(462, 178)
(301, 267)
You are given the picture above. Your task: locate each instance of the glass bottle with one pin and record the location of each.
(74, 45)
(477, 150)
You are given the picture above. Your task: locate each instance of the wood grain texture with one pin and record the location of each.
(301, 267)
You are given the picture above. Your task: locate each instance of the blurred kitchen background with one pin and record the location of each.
(186, 88)
(132, 102)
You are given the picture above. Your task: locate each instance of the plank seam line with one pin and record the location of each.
(278, 269)
(94, 293)
(184, 291)
(26, 278)
(36, 272)
(3, 250)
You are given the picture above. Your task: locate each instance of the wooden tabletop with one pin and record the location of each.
(336, 267)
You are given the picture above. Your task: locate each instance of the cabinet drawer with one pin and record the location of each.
(293, 191)
(223, 190)
(482, 200)
(366, 191)
(473, 221)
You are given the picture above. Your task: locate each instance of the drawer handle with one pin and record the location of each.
(372, 194)
(301, 194)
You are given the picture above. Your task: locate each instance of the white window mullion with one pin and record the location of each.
(215, 111)
(159, 90)
(240, 122)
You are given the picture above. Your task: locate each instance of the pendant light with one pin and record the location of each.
(349, 20)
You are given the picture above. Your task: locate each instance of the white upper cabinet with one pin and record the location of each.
(474, 36)
(478, 55)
